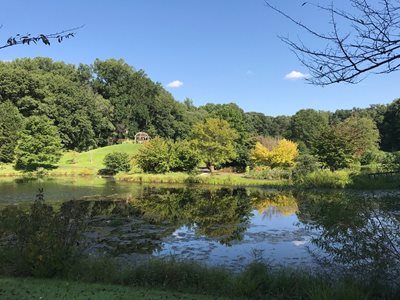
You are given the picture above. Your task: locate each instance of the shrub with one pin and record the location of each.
(373, 157)
(186, 158)
(155, 156)
(162, 156)
(270, 174)
(392, 161)
(327, 179)
(305, 164)
(117, 162)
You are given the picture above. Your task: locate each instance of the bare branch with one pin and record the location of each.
(27, 39)
(372, 44)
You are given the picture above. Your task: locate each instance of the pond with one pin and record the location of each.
(228, 227)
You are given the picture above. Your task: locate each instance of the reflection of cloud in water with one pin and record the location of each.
(299, 243)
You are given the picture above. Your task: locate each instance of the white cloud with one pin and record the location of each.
(249, 73)
(295, 75)
(175, 84)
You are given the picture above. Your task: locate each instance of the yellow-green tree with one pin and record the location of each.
(215, 141)
(283, 154)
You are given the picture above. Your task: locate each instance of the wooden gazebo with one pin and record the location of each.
(141, 137)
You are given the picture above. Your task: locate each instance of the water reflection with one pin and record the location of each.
(357, 234)
(223, 214)
(225, 226)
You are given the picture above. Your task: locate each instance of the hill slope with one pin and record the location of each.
(94, 158)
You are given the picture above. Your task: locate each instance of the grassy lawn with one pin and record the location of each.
(27, 288)
(90, 162)
(74, 163)
(215, 179)
(8, 170)
(94, 158)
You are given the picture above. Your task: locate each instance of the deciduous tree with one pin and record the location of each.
(215, 141)
(10, 127)
(282, 154)
(307, 125)
(360, 134)
(39, 144)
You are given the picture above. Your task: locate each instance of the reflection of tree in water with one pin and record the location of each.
(274, 203)
(221, 213)
(117, 227)
(360, 234)
(40, 239)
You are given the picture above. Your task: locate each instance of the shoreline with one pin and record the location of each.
(217, 179)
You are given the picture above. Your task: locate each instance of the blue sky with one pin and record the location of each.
(221, 50)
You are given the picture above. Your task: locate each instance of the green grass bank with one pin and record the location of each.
(30, 288)
(102, 279)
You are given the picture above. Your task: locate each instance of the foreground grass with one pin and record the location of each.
(102, 279)
(29, 288)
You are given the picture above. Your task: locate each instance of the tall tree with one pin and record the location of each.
(10, 127)
(332, 150)
(237, 120)
(360, 134)
(390, 128)
(139, 103)
(307, 125)
(40, 86)
(215, 142)
(39, 144)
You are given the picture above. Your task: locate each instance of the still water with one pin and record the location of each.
(228, 227)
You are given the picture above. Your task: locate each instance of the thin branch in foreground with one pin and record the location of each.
(372, 44)
(27, 39)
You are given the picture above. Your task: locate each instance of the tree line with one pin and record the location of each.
(82, 107)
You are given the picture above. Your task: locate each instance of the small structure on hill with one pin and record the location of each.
(141, 137)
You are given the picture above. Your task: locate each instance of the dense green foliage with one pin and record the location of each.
(117, 162)
(10, 126)
(45, 239)
(332, 150)
(42, 87)
(390, 128)
(39, 144)
(360, 134)
(327, 179)
(161, 156)
(215, 142)
(106, 102)
(305, 164)
(307, 125)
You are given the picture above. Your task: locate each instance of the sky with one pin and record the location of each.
(217, 51)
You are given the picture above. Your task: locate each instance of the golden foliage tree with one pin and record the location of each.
(282, 155)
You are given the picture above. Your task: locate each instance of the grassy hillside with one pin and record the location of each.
(88, 163)
(94, 158)
(75, 163)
